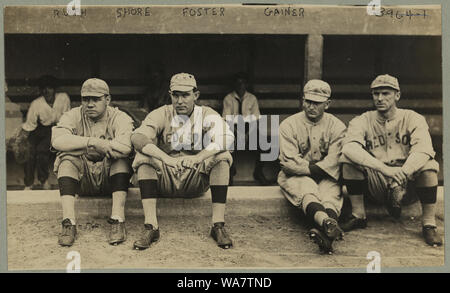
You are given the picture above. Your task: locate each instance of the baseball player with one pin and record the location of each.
(388, 153)
(93, 144)
(44, 112)
(310, 143)
(179, 153)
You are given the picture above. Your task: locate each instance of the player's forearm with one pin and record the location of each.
(70, 142)
(154, 151)
(294, 168)
(414, 162)
(139, 141)
(355, 153)
(120, 148)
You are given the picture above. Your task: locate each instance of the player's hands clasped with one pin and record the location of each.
(181, 163)
(190, 162)
(397, 174)
(102, 146)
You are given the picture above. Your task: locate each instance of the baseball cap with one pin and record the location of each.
(385, 80)
(94, 87)
(182, 82)
(317, 90)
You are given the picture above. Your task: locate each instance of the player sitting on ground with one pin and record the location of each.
(386, 153)
(173, 160)
(93, 141)
(310, 143)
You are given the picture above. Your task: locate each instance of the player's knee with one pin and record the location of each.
(68, 186)
(351, 172)
(220, 174)
(121, 165)
(427, 178)
(68, 168)
(120, 182)
(146, 172)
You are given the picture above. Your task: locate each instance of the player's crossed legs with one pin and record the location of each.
(321, 202)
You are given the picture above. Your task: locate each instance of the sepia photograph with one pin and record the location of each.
(223, 137)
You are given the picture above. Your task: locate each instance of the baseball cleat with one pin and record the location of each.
(220, 235)
(324, 243)
(431, 236)
(354, 223)
(332, 230)
(118, 232)
(68, 233)
(395, 197)
(149, 236)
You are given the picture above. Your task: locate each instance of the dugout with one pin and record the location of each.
(279, 51)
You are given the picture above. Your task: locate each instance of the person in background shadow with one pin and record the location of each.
(245, 105)
(44, 112)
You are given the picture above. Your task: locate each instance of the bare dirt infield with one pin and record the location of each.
(260, 242)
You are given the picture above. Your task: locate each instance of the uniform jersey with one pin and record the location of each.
(40, 112)
(391, 141)
(181, 135)
(115, 125)
(303, 141)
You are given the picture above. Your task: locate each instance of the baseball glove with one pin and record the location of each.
(21, 146)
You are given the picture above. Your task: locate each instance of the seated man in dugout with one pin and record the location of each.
(310, 144)
(242, 107)
(44, 112)
(181, 150)
(93, 144)
(388, 155)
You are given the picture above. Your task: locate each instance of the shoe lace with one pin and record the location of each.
(221, 230)
(67, 228)
(114, 226)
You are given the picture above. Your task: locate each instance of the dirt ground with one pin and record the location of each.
(276, 242)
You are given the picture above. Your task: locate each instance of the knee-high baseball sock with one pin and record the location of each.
(219, 199)
(355, 190)
(220, 174)
(118, 205)
(68, 207)
(331, 213)
(68, 188)
(314, 210)
(149, 205)
(429, 214)
(428, 196)
(218, 212)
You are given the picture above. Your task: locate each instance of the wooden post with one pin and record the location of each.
(313, 57)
